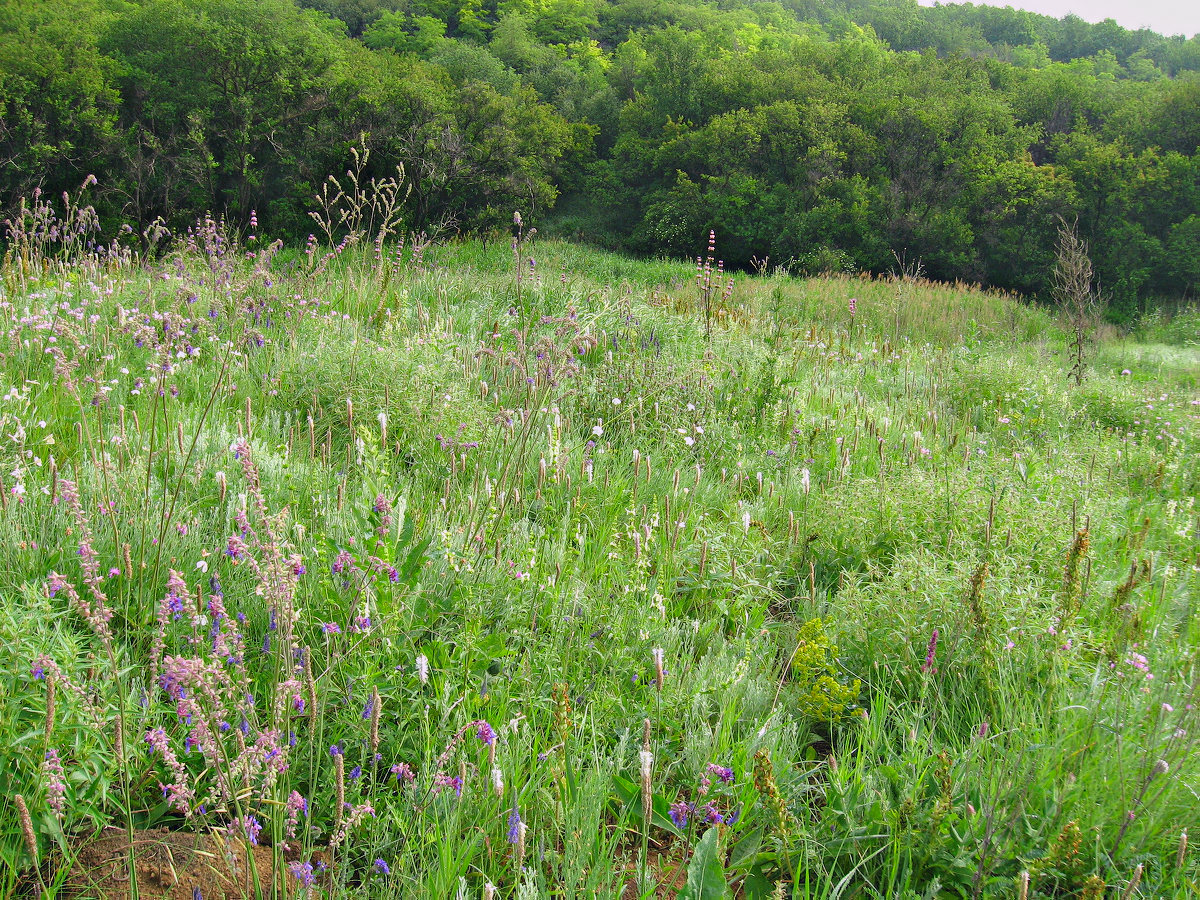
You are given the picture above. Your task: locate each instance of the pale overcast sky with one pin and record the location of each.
(1166, 16)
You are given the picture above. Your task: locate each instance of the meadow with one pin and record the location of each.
(490, 570)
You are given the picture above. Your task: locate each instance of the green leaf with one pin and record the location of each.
(745, 851)
(757, 886)
(630, 795)
(705, 875)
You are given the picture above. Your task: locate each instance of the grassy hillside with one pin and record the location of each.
(555, 572)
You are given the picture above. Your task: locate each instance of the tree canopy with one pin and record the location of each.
(821, 133)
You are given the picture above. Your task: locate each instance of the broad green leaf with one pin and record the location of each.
(705, 874)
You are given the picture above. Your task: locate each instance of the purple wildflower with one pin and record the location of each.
(712, 815)
(303, 872)
(679, 813)
(485, 732)
(514, 824)
(931, 653)
(442, 781)
(403, 773)
(724, 773)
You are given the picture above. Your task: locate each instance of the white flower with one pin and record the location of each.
(423, 669)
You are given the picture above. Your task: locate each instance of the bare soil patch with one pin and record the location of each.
(171, 865)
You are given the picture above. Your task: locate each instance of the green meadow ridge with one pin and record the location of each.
(823, 135)
(447, 572)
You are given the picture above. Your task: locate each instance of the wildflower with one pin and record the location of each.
(931, 653)
(331, 628)
(724, 773)
(403, 773)
(342, 563)
(304, 873)
(485, 732)
(514, 824)
(442, 781)
(712, 815)
(853, 305)
(679, 813)
(56, 789)
(250, 827)
(423, 669)
(297, 806)
(382, 867)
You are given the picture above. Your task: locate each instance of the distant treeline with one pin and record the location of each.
(823, 134)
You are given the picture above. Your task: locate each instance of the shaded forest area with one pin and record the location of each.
(821, 134)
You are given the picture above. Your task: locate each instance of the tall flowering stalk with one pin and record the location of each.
(931, 653)
(278, 574)
(94, 611)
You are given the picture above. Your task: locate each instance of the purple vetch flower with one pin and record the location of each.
(331, 628)
(382, 867)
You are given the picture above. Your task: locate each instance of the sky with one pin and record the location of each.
(1166, 16)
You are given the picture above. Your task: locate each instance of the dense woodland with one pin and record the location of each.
(821, 134)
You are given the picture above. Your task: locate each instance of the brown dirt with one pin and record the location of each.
(669, 875)
(171, 865)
